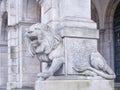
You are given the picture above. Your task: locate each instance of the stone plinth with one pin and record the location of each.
(75, 85)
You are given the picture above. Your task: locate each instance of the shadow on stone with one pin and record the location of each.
(24, 88)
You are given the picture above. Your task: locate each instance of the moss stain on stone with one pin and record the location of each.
(88, 84)
(81, 86)
(111, 82)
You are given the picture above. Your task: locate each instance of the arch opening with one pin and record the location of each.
(111, 36)
(116, 32)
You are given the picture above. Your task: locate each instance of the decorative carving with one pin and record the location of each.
(98, 67)
(47, 47)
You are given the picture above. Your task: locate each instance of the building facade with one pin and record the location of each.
(17, 68)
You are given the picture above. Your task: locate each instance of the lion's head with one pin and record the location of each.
(40, 35)
(35, 30)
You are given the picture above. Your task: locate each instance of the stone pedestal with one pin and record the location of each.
(75, 85)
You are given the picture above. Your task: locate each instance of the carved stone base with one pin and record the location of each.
(75, 85)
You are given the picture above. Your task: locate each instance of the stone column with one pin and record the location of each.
(79, 32)
(81, 9)
(13, 54)
(21, 15)
(13, 61)
(49, 12)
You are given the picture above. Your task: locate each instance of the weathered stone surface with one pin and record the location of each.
(78, 51)
(67, 9)
(75, 85)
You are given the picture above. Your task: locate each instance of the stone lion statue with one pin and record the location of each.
(47, 46)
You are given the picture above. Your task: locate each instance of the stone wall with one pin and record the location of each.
(22, 68)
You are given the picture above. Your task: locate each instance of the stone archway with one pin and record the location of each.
(116, 34)
(108, 33)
